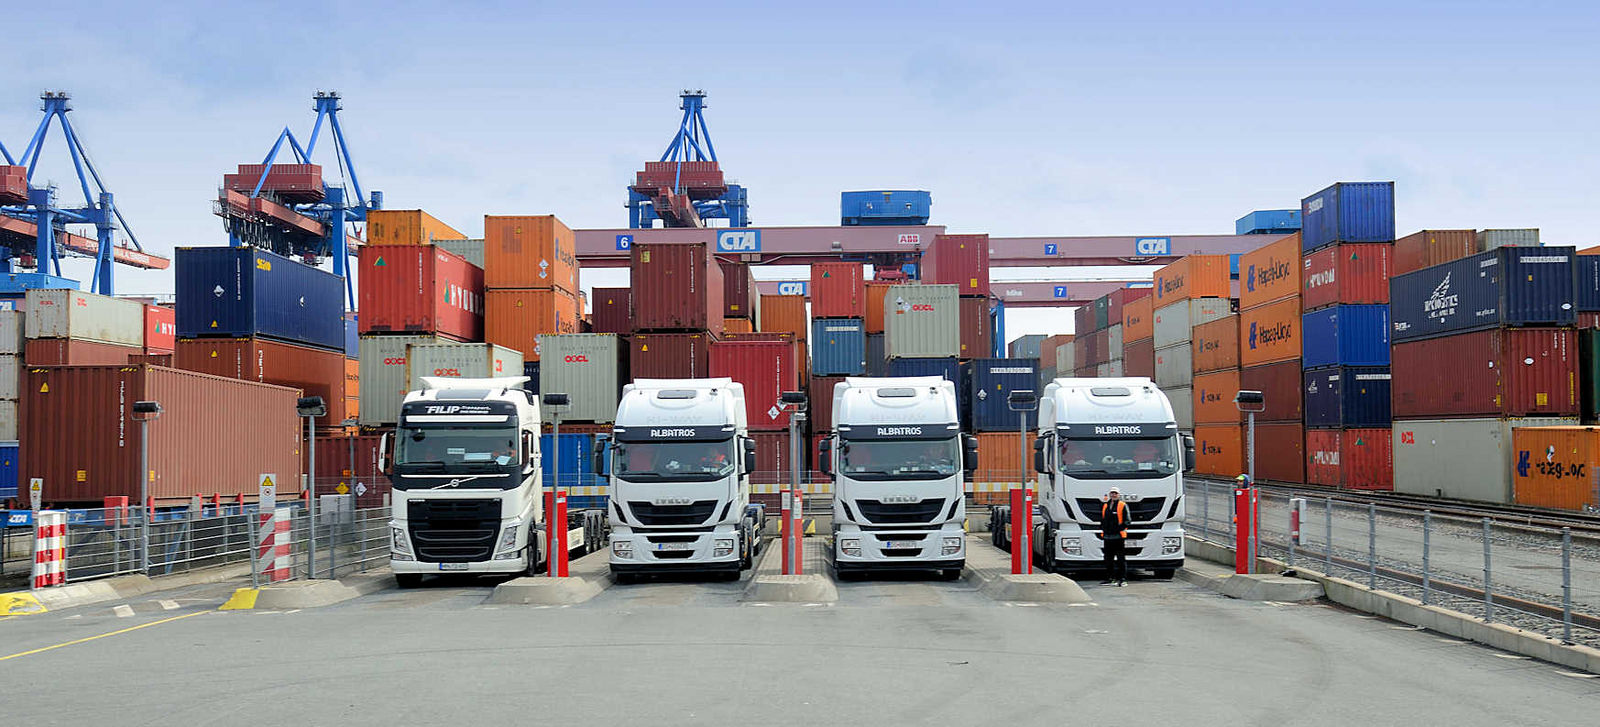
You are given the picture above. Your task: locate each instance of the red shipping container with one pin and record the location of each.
(1346, 274)
(1120, 298)
(1283, 386)
(1280, 452)
(876, 293)
(977, 330)
(838, 290)
(1139, 358)
(1508, 372)
(821, 402)
(160, 329)
(1102, 347)
(1082, 351)
(1323, 456)
(420, 289)
(773, 458)
(1432, 247)
(1083, 320)
(767, 369)
(13, 184)
(611, 313)
(314, 371)
(670, 356)
(352, 460)
(215, 435)
(73, 352)
(1354, 459)
(959, 260)
(676, 287)
(739, 293)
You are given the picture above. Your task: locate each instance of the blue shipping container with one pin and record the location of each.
(993, 380)
(1588, 282)
(352, 337)
(1345, 335)
(886, 207)
(8, 470)
(838, 347)
(1268, 222)
(530, 369)
(948, 369)
(1348, 212)
(576, 457)
(877, 358)
(241, 292)
(1508, 286)
(1347, 397)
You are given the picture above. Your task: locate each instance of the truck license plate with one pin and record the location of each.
(902, 544)
(452, 566)
(674, 546)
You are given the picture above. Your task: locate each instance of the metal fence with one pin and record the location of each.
(345, 540)
(1537, 578)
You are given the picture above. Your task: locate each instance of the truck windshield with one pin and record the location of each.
(899, 459)
(1104, 459)
(697, 461)
(447, 450)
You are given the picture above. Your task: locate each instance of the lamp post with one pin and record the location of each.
(1251, 403)
(1023, 401)
(311, 407)
(556, 561)
(145, 412)
(796, 402)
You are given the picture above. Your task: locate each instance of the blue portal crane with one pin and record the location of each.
(290, 209)
(686, 187)
(33, 221)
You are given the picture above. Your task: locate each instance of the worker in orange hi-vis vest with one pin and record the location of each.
(1113, 534)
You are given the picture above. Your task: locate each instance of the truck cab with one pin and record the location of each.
(681, 458)
(897, 457)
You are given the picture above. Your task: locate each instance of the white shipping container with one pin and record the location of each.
(1114, 368)
(1114, 341)
(1491, 239)
(84, 316)
(11, 331)
(922, 321)
(587, 368)
(383, 376)
(1182, 399)
(1174, 323)
(1175, 366)
(1065, 354)
(461, 361)
(8, 421)
(1467, 459)
(10, 376)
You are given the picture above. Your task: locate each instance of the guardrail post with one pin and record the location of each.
(1488, 583)
(1327, 523)
(1205, 519)
(1427, 532)
(253, 548)
(1566, 585)
(1372, 546)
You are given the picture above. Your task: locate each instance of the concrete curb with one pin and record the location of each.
(768, 585)
(1034, 588)
(544, 591)
(1270, 587)
(307, 594)
(1411, 611)
(88, 593)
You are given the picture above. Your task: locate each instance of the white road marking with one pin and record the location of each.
(1515, 657)
(168, 604)
(1450, 641)
(122, 611)
(1406, 628)
(1576, 675)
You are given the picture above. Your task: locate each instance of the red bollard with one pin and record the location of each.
(797, 532)
(1247, 516)
(1021, 531)
(785, 523)
(117, 510)
(555, 527)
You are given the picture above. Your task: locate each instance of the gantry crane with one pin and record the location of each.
(686, 187)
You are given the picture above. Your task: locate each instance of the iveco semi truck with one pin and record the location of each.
(1095, 434)
(468, 498)
(680, 480)
(897, 456)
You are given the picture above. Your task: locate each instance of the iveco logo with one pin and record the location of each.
(739, 241)
(672, 432)
(899, 431)
(671, 501)
(901, 499)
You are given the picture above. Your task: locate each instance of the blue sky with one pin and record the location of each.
(1022, 119)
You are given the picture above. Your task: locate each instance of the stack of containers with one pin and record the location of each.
(676, 308)
(1138, 337)
(767, 364)
(877, 345)
(740, 299)
(11, 346)
(838, 319)
(71, 328)
(1219, 440)
(1002, 465)
(590, 368)
(963, 261)
(1482, 346)
(1028, 346)
(1190, 292)
(921, 335)
(1116, 303)
(1055, 358)
(1345, 293)
(530, 278)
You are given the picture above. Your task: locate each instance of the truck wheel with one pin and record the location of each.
(407, 580)
(950, 574)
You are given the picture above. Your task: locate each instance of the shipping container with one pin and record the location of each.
(314, 371)
(453, 360)
(820, 402)
(1138, 317)
(767, 369)
(876, 292)
(160, 329)
(1270, 273)
(79, 435)
(992, 381)
(352, 336)
(1343, 397)
(1346, 335)
(838, 347)
(1491, 239)
(1114, 342)
(420, 289)
(669, 356)
(1348, 212)
(10, 375)
(1174, 324)
(877, 359)
(84, 317)
(1281, 385)
(1588, 285)
(1465, 459)
(1051, 351)
(1215, 345)
(352, 460)
(948, 369)
(530, 252)
(469, 250)
(1356, 274)
(1195, 276)
(611, 313)
(740, 297)
(1102, 312)
(784, 314)
(10, 421)
(1110, 369)
(1502, 372)
(383, 376)
(838, 290)
(736, 326)
(774, 457)
(73, 352)
(1428, 248)
(1270, 333)
(531, 370)
(1139, 358)
(921, 321)
(1509, 286)
(8, 470)
(1323, 457)
(407, 227)
(977, 328)
(246, 292)
(573, 454)
(12, 331)
(1213, 398)
(1182, 399)
(1083, 320)
(1117, 303)
(588, 368)
(1002, 465)
(959, 260)
(1174, 366)
(1280, 452)
(1083, 351)
(1219, 450)
(1025, 346)
(516, 318)
(676, 287)
(1556, 467)
(1589, 375)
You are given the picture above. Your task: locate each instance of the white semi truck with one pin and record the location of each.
(1095, 434)
(468, 494)
(897, 456)
(680, 480)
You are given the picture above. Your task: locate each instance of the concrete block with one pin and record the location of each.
(1037, 588)
(1267, 587)
(545, 591)
(805, 588)
(303, 594)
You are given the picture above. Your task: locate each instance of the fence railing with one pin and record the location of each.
(345, 540)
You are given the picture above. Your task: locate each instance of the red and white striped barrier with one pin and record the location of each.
(273, 552)
(49, 549)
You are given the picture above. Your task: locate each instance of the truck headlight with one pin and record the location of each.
(399, 545)
(622, 548)
(508, 536)
(722, 548)
(951, 546)
(1171, 545)
(1072, 546)
(850, 547)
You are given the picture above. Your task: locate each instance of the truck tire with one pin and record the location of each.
(950, 574)
(407, 580)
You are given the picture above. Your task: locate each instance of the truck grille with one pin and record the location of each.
(694, 513)
(875, 511)
(453, 531)
(1141, 511)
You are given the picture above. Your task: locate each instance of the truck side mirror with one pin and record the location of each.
(1188, 453)
(825, 456)
(969, 448)
(749, 456)
(1040, 466)
(529, 455)
(600, 455)
(385, 443)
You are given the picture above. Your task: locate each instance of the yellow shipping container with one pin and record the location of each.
(407, 227)
(1556, 467)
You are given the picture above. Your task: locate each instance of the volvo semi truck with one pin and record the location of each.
(897, 457)
(1095, 434)
(680, 480)
(467, 482)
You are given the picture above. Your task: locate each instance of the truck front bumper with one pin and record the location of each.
(636, 551)
(1077, 549)
(938, 549)
(519, 565)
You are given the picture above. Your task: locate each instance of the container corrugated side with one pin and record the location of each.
(1556, 467)
(876, 292)
(877, 360)
(10, 423)
(1194, 276)
(1114, 342)
(1281, 384)
(1280, 452)
(420, 289)
(529, 252)
(838, 290)
(407, 227)
(977, 331)
(516, 318)
(84, 317)
(1344, 397)
(1270, 333)
(767, 369)
(460, 361)
(1139, 358)
(469, 250)
(383, 377)
(1467, 459)
(1025, 346)
(1270, 272)
(1216, 345)
(1174, 324)
(1174, 366)
(1346, 335)
(784, 314)
(992, 381)
(73, 352)
(1001, 463)
(1348, 212)
(1366, 458)
(1083, 320)
(1138, 318)
(1118, 301)
(949, 369)
(588, 368)
(1502, 372)
(10, 375)
(1323, 457)
(1354, 273)
(669, 356)
(820, 393)
(12, 331)
(1219, 449)
(1427, 248)
(1213, 398)
(773, 458)
(1589, 374)
(160, 329)
(1102, 312)
(676, 287)
(959, 260)
(1509, 286)
(244, 292)
(1523, 237)
(739, 294)
(921, 322)
(611, 311)
(1182, 399)
(838, 347)
(314, 371)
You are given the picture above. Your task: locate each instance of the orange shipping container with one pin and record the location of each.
(1138, 319)
(1195, 276)
(529, 252)
(1556, 467)
(352, 388)
(1219, 449)
(1270, 333)
(1270, 273)
(737, 325)
(1216, 344)
(784, 314)
(1000, 463)
(876, 293)
(1213, 398)
(516, 318)
(407, 227)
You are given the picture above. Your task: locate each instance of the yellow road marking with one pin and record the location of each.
(101, 636)
(242, 599)
(20, 603)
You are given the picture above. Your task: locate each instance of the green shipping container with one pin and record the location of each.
(1589, 374)
(1102, 312)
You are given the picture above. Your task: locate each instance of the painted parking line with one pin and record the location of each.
(87, 639)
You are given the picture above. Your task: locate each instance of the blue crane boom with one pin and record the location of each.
(686, 186)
